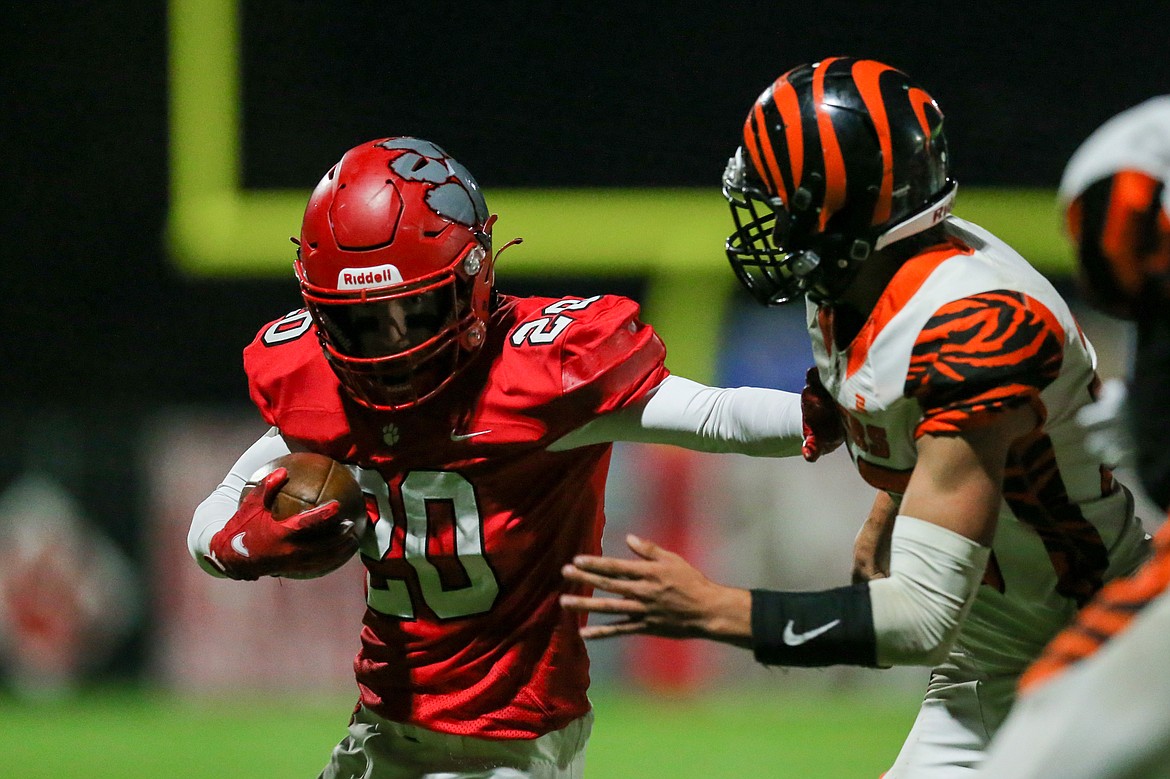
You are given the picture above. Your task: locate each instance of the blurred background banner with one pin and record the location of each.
(211, 635)
(68, 595)
(156, 159)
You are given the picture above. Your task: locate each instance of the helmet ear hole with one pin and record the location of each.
(473, 262)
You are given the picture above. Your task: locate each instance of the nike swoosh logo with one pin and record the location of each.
(238, 545)
(792, 638)
(464, 436)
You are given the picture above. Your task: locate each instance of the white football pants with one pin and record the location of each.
(380, 749)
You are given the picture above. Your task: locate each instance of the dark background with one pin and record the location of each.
(598, 93)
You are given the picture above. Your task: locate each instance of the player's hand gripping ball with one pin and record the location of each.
(301, 516)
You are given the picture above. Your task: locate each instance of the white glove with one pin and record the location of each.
(1106, 426)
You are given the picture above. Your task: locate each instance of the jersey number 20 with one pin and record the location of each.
(419, 488)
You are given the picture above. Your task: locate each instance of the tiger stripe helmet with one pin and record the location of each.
(1117, 211)
(840, 158)
(1122, 237)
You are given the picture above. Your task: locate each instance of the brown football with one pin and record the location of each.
(313, 479)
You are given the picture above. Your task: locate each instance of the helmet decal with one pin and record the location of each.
(453, 202)
(920, 101)
(415, 167)
(368, 278)
(833, 161)
(759, 141)
(418, 145)
(460, 200)
(867, 76)
(468, 181)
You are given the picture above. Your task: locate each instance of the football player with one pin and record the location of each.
(958, 372)
(1097, 702)
(480, 426)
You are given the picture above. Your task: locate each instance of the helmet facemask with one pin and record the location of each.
(397, 347)
(761, 250)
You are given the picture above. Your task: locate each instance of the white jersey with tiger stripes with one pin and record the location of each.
(1068, 520)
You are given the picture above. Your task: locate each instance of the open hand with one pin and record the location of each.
(659, 594)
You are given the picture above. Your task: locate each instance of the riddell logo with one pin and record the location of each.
(368, 278)
(940, 213)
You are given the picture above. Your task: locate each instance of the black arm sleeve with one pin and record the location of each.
(831, 627)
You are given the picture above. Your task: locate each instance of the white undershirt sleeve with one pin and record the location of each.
(744, 420)
(919, 608)
(217, 508)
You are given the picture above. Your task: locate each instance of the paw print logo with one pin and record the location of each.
(454, 194)
(390, 434)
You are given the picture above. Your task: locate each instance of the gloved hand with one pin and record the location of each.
(820, 420)
(1107, 432)
(255, 543)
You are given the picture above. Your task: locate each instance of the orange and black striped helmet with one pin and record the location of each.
(840, 158)
(1121, 231)
(1115, 192)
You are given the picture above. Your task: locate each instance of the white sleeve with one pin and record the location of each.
(919, 608)
(745, 420)
(217, 508)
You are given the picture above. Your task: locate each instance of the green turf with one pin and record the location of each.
(128, 735)
(823, 736)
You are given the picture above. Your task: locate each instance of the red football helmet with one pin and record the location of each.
(395, 266)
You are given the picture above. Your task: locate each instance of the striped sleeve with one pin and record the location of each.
(982, 354)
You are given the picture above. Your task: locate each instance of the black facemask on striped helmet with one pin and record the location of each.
(840, 159)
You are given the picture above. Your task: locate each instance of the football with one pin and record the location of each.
(314, 479)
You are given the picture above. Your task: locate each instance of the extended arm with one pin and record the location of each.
(938, 553)
(746, 420)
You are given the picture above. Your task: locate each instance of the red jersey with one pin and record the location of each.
(472, 516)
